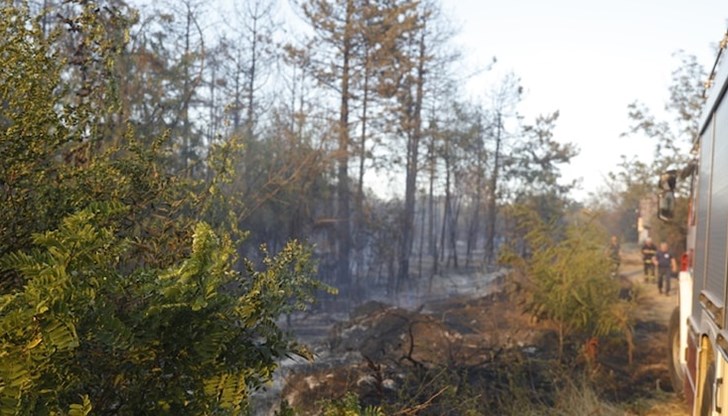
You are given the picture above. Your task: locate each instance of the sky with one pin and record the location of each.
(589, 60)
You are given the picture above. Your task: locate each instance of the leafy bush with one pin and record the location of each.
(565, 277)
(188, 339)
(118, 292)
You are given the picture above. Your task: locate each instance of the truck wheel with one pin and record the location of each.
(673, 349)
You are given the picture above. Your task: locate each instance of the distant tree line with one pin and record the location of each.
(353, 87)
(360, 86)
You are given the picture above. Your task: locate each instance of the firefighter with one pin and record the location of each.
(615, 255)
(666, 266)
(649, 249)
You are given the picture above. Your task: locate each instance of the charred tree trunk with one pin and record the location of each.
(413, 142)
(446, 214)
(363, 144)
(493, 195)
(431, 211)
(453, 228)
(186, 124)
(237, 92)
(250, 111)
(344, 213)
(420, 252)
(359, 200)
(474, 226)
(431, 236)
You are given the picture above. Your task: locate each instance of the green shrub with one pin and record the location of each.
(189, 339)
(118, 292)
(349, 406)
(565, 277)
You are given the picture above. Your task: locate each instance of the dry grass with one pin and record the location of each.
(576, 399)
(668, 409)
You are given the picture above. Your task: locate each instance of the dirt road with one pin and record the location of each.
(650, 375)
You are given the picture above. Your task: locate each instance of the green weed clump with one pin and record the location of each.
(561, 273)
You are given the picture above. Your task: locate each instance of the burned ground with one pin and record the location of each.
(483, 355)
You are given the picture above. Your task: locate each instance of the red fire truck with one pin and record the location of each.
(698, 332)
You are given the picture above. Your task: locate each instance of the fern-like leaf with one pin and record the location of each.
(82, 409)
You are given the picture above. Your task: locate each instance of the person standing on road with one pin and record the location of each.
(615, 255)
(666, 266)
(648, 254)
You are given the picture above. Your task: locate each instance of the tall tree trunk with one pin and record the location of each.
(363, 140)
(493, 195)
(455, 214)
(359, 200)
(431, 211)
(344, 214)
(250, 111)
(474, 223)
(421, 250)
(45, 20)
(186, 126)
(413, 143)
(474, 229)
(237, 93)
(446, 209)
(212, 127)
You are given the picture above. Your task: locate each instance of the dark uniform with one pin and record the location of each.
(664, 270)
(648, 254)
(614, 256)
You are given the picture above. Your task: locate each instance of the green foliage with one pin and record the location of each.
(176, 340)
(540, 157)
(534, 168)
(52, 161)
(349, 406)
(82, 409)
(118, 292)
(565, 277)
(30, 129)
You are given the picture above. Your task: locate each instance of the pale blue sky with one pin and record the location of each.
(589, 60)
